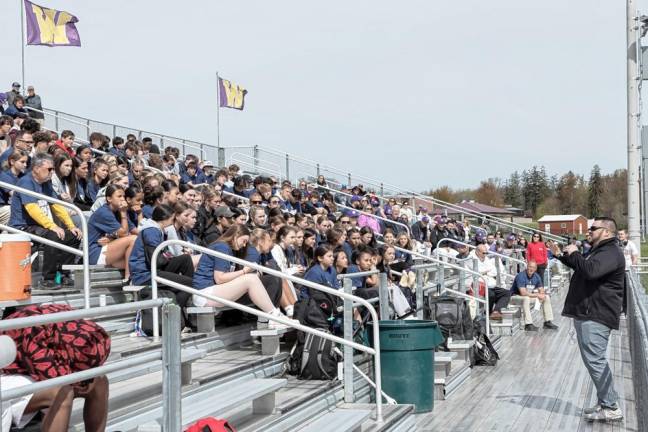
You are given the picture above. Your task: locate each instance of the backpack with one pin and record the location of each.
(145, 316)
(452, 316)
(211, 424)
(319, 361)
(482, 352)
(318, 311)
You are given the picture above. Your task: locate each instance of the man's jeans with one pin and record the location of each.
(592, 342)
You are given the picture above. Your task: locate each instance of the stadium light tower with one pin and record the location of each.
(633, 26)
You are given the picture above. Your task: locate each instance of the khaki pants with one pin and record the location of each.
(526, 303)
(5, 214)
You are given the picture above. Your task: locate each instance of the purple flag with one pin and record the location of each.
(50, 27)
(231, 95)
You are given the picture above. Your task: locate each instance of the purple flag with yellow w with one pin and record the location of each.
(50, 27)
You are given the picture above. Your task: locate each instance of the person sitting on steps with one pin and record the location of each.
(527, 286)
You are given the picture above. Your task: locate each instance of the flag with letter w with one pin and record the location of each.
(231, 95)
(50, 27)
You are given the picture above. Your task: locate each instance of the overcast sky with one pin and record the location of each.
(418, 93)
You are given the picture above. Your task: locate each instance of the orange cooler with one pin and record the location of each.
(15, 267)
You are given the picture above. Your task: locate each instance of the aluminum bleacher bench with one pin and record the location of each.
(270, 339)
(205, 401)
(30, 301)
(462, 348)
(100, 275)
(205, 317)
(187, 357)
(340, 420)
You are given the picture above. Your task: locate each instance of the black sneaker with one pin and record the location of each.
(550, 326)
(530, 327)
(48, 285)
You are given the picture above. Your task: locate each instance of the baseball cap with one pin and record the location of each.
(511, 237)
(223, 211)
(425, 219)
(15, 84)
(30, 87)
(351, 213)
(208, 164)
(355, 198)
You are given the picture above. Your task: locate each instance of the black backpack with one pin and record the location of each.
(146, 315)
(318, 311)
(482, 353)
(319, 361)
(452, 316)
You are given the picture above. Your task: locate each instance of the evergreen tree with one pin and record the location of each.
(513, 191)
(595, 192)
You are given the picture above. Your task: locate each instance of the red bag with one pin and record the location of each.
(211, 424)
(482, 289)
(57, 349)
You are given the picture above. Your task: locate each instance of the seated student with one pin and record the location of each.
(364, 261)
(171, 192)
(322, 271)
(153, 197)
(498, 297)
(340, 261)
(258, 217)
(222, 278)
(309, 243)
(109, 239)
(81, 199)
(15, 169)
(240, 217)
(117, 179)
(403, 259)
(134, 198)
(523, 290)
(36, 216)
(98, 179)
(281, 253)
(84, 152)
(259, 247)
(56, 405)
(337, 238)
(64, 180)
(185, 219)
(387, 260)
(367, 237)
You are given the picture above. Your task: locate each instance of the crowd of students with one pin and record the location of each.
(135, 195)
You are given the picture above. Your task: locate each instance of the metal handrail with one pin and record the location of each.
(39, 320)
(224, 192)
(84, 229)
(254, 160)
(358, 274)
(456, 267)
(519, 261)
(62, 118)
(377, 217)
(375, 351)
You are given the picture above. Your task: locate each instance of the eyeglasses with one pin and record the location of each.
(26, 142)
(595, 228)
(256, 202)
(345, 222)
(536, 236)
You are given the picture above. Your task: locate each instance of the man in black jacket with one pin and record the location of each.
(595, 302)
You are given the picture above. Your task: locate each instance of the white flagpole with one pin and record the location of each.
(22, 36)
(218, 96)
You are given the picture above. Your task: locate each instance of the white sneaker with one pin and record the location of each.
(605, 414)
(276, 325)
(592, 409)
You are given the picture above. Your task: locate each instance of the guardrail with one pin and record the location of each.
(84, 241)
(387, 221)
(637, 324)
(155, 279)
(169, 354)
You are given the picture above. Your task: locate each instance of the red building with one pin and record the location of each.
(563, 224)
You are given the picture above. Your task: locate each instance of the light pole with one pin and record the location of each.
(634, 158)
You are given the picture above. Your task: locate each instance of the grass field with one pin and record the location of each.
(644, 277)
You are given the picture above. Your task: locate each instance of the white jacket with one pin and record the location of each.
(487, 268)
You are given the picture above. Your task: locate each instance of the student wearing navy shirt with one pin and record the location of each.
(81, 170)
(135, 199)
(109, 239)
(322, 271)
(523, 292)
(403, 259)
(192, 176)
(98, 179)
(16, 164)
(177, 269)
(185, 219)
(153, 197)
(36, 216)
(219, 277)
(23, 141)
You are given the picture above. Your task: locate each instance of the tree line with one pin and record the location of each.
(538, 194)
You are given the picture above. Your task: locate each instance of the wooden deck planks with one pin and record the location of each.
(539, 385)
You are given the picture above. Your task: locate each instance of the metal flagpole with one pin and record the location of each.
(634, 160)
(22, 36)
(218, 96)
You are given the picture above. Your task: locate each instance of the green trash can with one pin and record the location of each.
(407, 360)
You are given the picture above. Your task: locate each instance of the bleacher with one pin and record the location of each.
(237, 371)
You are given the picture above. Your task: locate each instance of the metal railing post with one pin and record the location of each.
(462, 276)
(88, 129)
(114, 131)
(256, 157)
(318, 170)
(349, 180)
(287, 167)
(419, 294)
(171, 364)
(498, 266)
(184, 147)
(349, 397)
(56, 121)
(475, 267)
(440, 277)
(383, 296)
(221, 157)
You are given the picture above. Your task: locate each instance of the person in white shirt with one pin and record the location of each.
(630, 251)
(498, 298)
